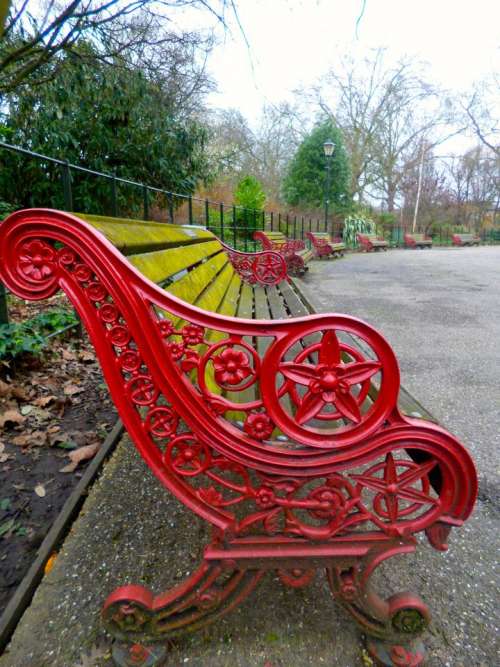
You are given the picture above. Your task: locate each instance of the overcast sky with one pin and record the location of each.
(292, 42)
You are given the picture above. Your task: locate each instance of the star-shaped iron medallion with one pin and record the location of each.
(329, 381)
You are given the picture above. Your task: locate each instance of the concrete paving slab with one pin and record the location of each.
(132, 531)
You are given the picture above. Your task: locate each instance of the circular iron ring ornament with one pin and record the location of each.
(327, 384)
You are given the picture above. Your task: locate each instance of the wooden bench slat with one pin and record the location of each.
(160, 265)
(137, 236)
(191, 285)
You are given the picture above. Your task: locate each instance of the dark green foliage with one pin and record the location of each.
(250, 198)
(249, 193)
(305, 182)
(105, 117)
(29, 337)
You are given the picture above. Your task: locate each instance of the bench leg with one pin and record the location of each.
(142, 621)
(392, 626)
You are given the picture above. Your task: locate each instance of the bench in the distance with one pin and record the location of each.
(417, 241)
(465, 239)
(294, 251)
(371, 242)
(324, 246)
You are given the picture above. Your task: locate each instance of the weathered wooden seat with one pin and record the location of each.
(284, 434)
(323, 245)
(294, 250)
(417, 241)
(371, 242)
(465, 239)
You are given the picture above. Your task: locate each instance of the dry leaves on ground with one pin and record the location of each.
(81, 454)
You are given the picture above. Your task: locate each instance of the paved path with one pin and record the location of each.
(440, 310)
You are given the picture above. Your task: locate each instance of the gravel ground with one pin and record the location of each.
(440, 310)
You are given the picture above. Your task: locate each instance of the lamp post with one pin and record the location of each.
(328, 148)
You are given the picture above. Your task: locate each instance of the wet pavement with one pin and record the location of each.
(440, 310)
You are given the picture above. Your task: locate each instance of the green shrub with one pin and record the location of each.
(29, 337)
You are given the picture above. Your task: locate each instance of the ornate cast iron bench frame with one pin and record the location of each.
(294, 251)
(465, 239)
(417, 241)
(371, 242)
(320, 471)
(324, 246)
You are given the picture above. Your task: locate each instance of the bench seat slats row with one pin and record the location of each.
(286, 430)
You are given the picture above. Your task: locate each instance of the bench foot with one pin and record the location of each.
(396, 655)
(392, 626)
(137, 655)
(132, 614)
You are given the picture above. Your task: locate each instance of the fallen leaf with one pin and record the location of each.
(72, 389)
(38, 438)
(4, 389)
(81, 454)
(11, 417)
(21, 440)
(53, 429)
(40, 490)
(50, 563)
(85, 355)
(43, 401)
(3, 454)
(20, 393)
(68, 355)
(26, 409)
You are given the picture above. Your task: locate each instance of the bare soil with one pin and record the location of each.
(51, 406)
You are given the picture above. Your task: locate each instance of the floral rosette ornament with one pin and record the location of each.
(36, 260)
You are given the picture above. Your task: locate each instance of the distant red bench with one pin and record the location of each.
(370, 242)
(324, 246)
(418, 241)
(465, 239)
(296, 255)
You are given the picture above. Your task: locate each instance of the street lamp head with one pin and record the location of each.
(328, 147)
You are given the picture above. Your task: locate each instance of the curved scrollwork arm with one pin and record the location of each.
(265, 268)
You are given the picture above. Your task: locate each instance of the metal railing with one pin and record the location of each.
(234, 225)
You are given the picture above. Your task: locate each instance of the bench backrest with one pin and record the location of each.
(189, 262)
(465, 237)
(417, 237)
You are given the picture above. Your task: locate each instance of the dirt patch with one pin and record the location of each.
(54, 413)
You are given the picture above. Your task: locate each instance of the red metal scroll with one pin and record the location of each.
(264, 268)
(321, 246)
(293, 449)
(287, 248)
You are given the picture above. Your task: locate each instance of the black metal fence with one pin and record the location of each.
(235, 225)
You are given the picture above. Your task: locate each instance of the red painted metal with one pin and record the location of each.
(465, 239)
(367, 243)
(412, 242)
(323, 247)
(288, 249)
(316, 471)
(263, 268)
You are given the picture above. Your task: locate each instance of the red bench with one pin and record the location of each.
(371, 242)
(285, 434)
(417, 241)
(324, 246)
(465, 239)
(294, 251)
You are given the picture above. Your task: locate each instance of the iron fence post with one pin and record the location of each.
(294, 226)
(67, 192)
(246, 229)
(145, 197)
(272, 220)
(221, 215)
(207, 215)
(279, 222)
(114, 201)
(234, 227)
(302, 228)
(170, 201)
(190, 209)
